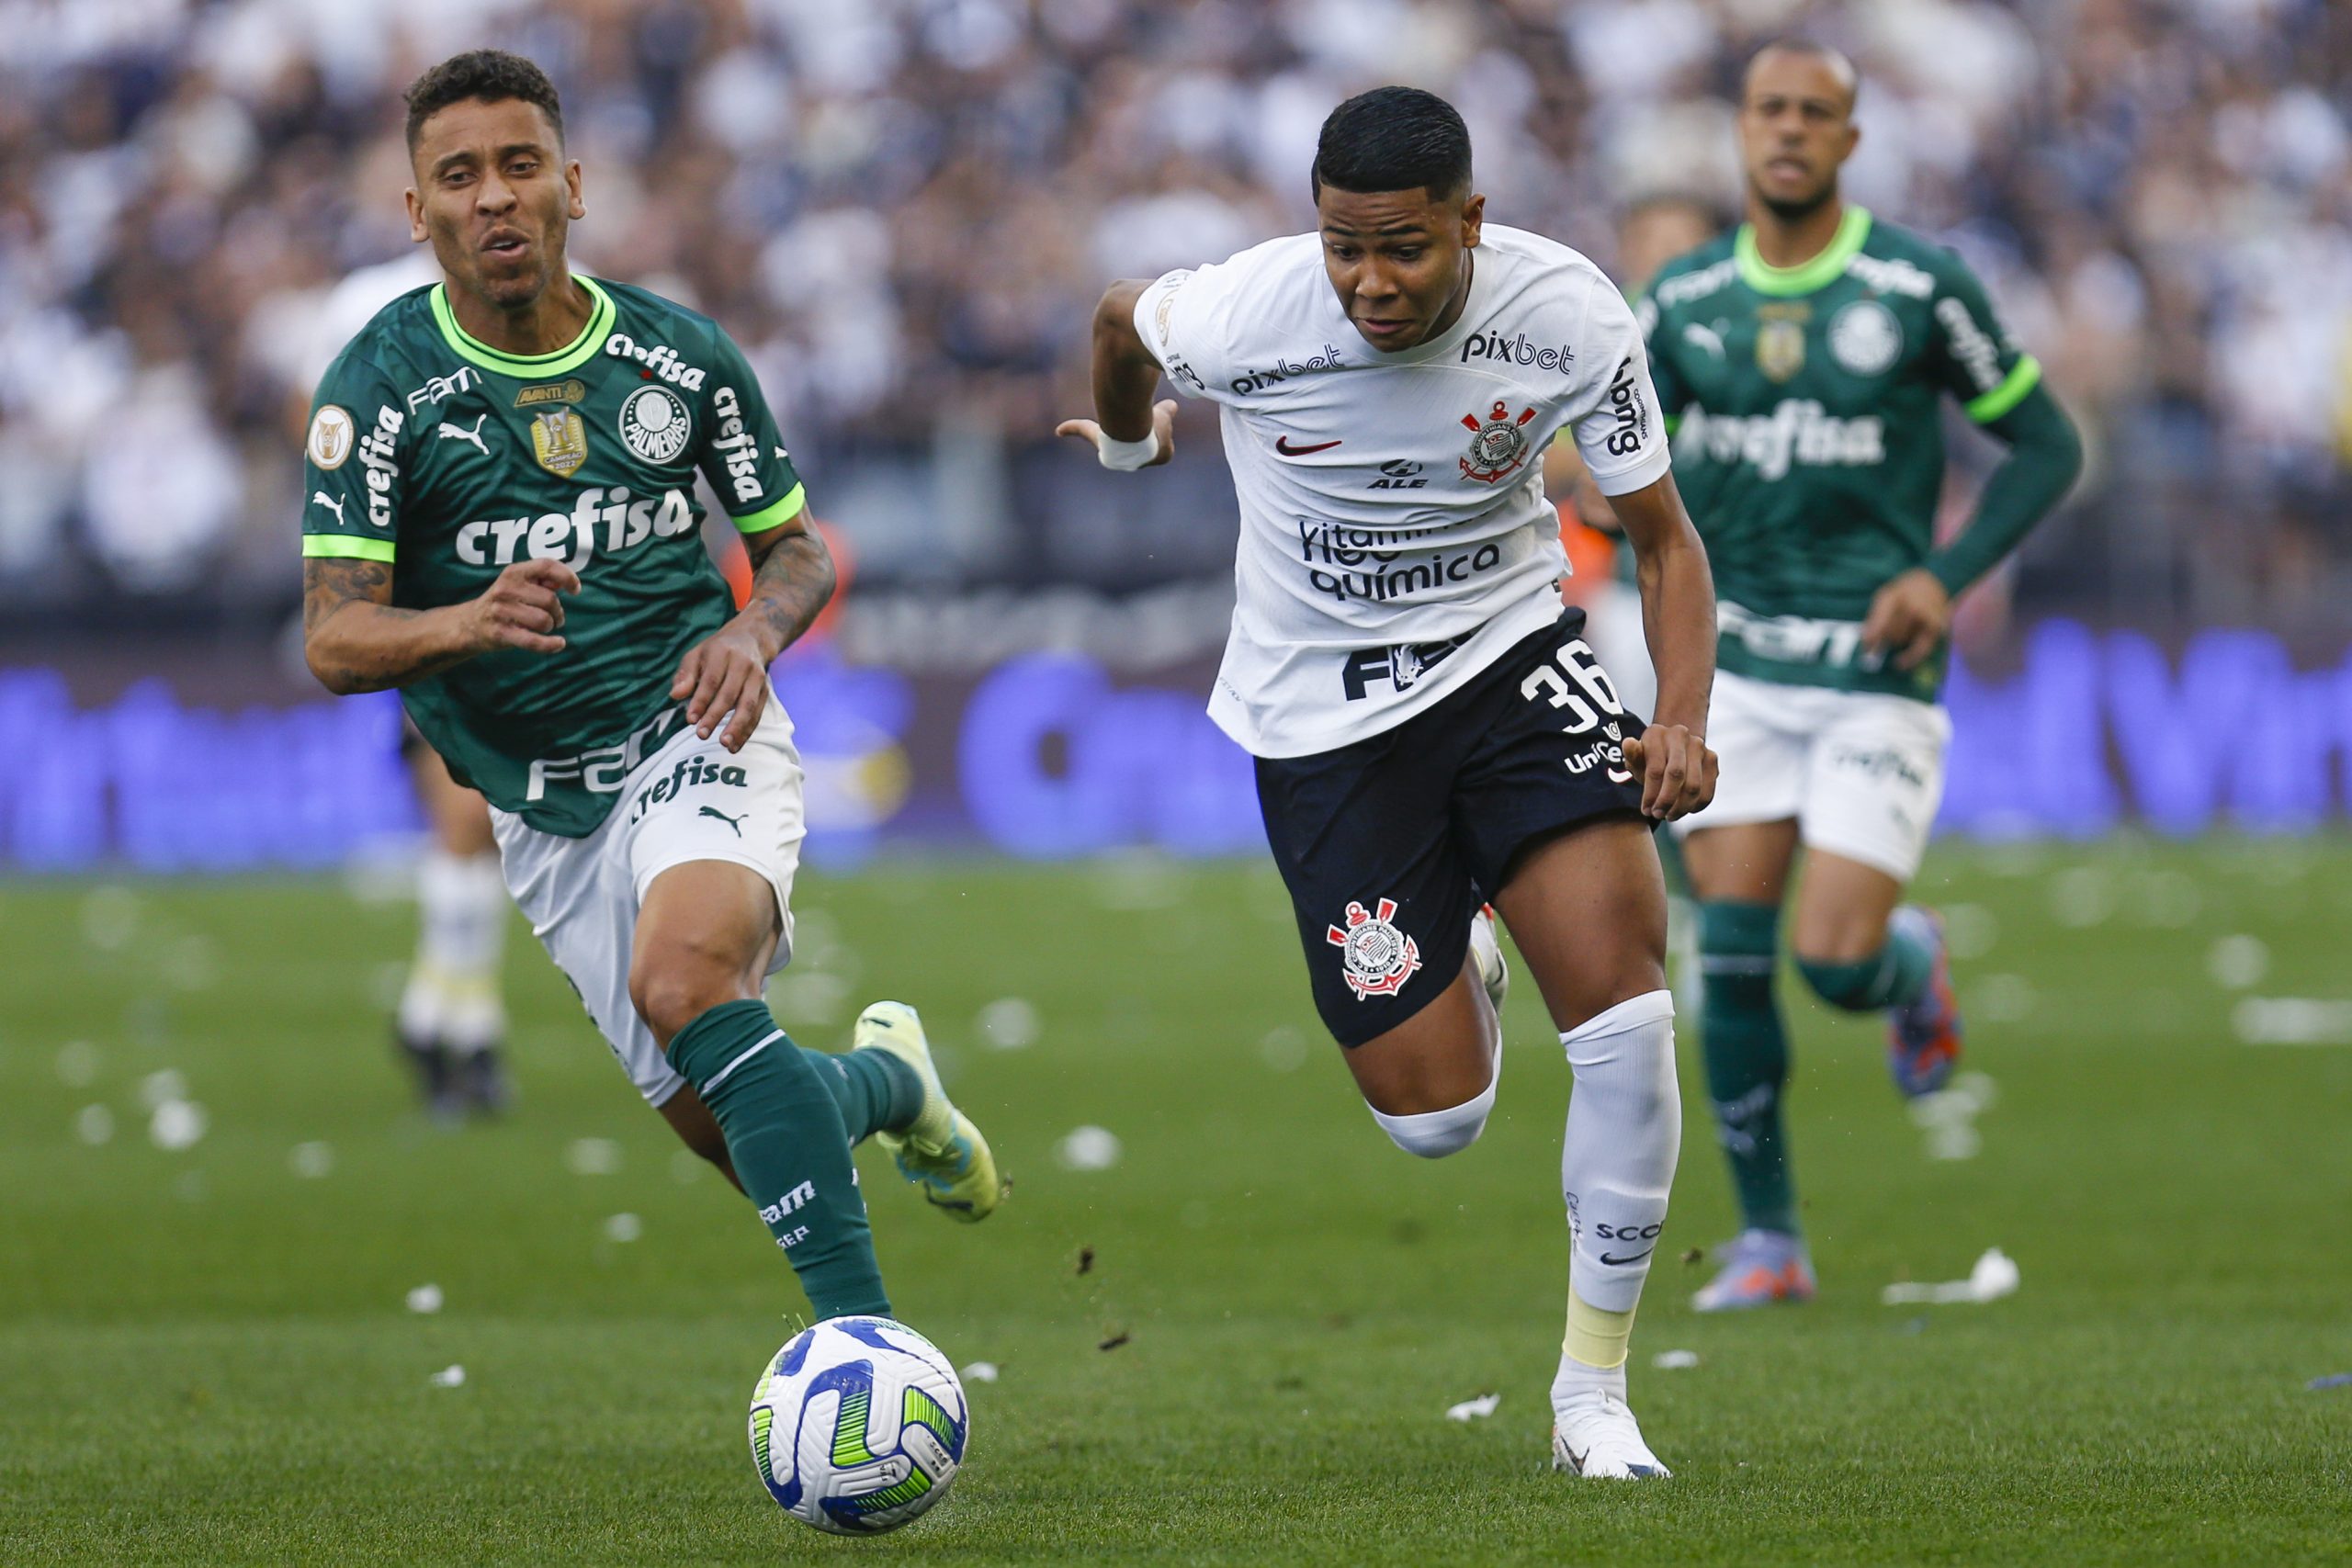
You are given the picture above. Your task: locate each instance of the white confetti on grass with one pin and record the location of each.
(2082, 896)
(2238, 961)
(157, 1088)
(93, 1125)
(109, 917)
(311, 1161)
(2291, 1021)
(809, 997)
(592, 1157)
(1011, 1024)
(426, 1299)
(1949, 1116)
(623, 1227)
(1995, 1275)
(2003, 999)
(1675, 1360)
(979, 1371)
(1477, 1409)
(177, 1124)
(1088, 1148)
(77, 1063)
(451, 1376)
(1970, 931)
(1284, 1049)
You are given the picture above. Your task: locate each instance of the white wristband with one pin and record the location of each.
(1126, 456)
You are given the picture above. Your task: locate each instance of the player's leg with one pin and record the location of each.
(451, 1015)
(1392, 929)
(1875, 781)
(699, 1130)
(1738, 854)
(1588, 909)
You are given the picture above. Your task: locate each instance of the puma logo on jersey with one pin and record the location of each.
(332, 503)
(1707, 338)
(452, 433)
(734, 822)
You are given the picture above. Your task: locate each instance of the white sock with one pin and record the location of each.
(1624, 1134)
(453, 992)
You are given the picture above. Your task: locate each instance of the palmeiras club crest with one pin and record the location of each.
(1375, 958)
(1497, 443)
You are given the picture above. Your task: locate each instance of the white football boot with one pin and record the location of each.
(1594, 1435)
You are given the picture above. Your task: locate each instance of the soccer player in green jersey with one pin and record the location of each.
(1806, 358)
(500, 520)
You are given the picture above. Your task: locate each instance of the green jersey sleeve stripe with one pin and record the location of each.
(1806, 277)
(527, 367)
(2008, 394)
(776, 513)
(344, 545)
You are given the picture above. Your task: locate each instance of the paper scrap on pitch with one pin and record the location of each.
(1088, 1148)
(1675, 1360)
(592, 1157)
(1995, 1275)
(979, 1371)
(451, 1376)
(425, 1299)
(1477, 1409)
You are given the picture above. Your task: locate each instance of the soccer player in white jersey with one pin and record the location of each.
(1431, 732)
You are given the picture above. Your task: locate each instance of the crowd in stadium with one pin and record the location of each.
(906, 208)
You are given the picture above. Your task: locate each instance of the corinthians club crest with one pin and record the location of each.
(1497, 443)
(1376, 959)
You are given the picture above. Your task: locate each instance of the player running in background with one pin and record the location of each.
(1431, 729)
(1806, 360)
(500, 521)
(451, 1020)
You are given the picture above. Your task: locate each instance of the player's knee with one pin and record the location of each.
(671, 992)
(1434, 1135)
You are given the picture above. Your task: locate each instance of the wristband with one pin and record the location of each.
(1126, 456)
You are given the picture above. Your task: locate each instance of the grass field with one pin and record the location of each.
(206, 1357)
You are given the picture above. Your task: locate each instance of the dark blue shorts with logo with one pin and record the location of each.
(1389, 845)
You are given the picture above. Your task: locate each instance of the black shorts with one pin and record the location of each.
(1389, 845)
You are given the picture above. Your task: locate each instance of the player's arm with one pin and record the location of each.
(743, 456)
(356, 639)
(1679, 618)
(1129, 430)
(2000, 389)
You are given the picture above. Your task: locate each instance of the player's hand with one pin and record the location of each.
(1163, 430)
(1677, 770)
(523, 609)
(1908, 618)
(722, 674)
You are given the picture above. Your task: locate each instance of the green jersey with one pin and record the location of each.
(432, 451)
(1807, 432)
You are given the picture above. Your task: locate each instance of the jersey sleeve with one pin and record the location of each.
(1182, 320)
(743, 452)
(1970, 353)
(1665, 380)
(354, 464)
(1618, 428)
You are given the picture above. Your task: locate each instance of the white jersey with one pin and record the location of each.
(1395, 537)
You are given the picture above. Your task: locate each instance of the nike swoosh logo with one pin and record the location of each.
(1635, 1259)
(1282, 445)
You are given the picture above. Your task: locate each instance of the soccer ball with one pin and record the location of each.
(858, 1425)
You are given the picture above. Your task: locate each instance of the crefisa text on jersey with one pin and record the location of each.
(660, 358)
(570, 537)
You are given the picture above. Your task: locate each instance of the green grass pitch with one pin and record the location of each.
(206, 1357)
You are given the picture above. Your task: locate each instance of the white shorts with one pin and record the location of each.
(1861, 772)
(582, 894)
(1613, 627)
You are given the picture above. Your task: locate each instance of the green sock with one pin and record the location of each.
(877, 1092)
(782, 1114)
(1747, 1052)
(1896, 975)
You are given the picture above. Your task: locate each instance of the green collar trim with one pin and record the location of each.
(1806, 276)
(528, 366)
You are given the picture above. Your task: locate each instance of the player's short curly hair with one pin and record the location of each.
(1394, 139)
(490, 74)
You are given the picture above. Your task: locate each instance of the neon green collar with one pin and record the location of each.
(528, 366)
(1806, 276)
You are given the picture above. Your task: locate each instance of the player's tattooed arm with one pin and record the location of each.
(1678, 616)
(356, 639)
(727, 672)
(1129, 430)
